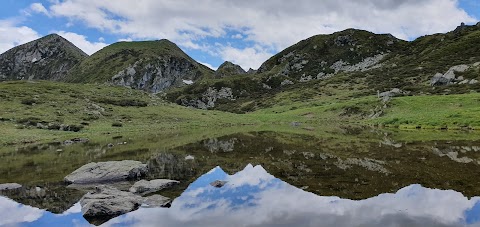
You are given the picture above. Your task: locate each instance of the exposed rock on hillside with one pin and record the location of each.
(209, 98)
(156, 75)
(229, 69)
(150, 65)
(47, 58)
(450, 78)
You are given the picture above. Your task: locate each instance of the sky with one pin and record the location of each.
(245, 32)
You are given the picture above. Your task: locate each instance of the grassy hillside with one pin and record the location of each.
(42, 111)
(101, 66)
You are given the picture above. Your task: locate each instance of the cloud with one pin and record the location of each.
(81, 42)
(39, 8)
(249, 57)
(273, 24)
(13, 35)
(208, 65)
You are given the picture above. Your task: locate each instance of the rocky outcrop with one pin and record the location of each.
(365, 65)
(157, 75)
(107, 172)
(47, 58)
(387, 95)
(229, 69)
(448, 77)
(146, 187)
(109, 202)
(9, 186)
(209, 98)
(152, 66)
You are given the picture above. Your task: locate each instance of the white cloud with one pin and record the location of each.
(81, 42)
(12, 213)
(237, 36)
(13, 35)
(39, 8)
(208, 65)
(275, 24)
(250, 57)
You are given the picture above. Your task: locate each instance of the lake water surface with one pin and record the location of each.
(347, 177)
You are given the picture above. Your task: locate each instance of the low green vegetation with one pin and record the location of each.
(49, 111)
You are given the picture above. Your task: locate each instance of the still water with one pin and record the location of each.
(273, 179)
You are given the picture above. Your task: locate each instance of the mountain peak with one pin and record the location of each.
(229, 69)
(47, 58)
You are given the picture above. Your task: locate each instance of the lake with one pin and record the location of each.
(341, 177)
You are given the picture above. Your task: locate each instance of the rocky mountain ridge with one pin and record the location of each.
(47, 58)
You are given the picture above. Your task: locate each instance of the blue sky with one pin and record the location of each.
(245, 32)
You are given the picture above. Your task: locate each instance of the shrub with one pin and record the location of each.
(117, 124)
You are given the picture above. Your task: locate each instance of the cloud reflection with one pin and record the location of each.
(253, 197)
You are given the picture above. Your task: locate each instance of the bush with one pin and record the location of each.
(117, 124)
(123, 102)
(29, 102)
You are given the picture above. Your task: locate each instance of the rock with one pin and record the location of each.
(106, 201)
(218, 183)
(286, 82)
(189, 157)
(387, 95)
(473, 81)
(365, 65)
(156, 201)
(75, 140)
(145, 187)
(295, 124)
(107, 172)
(209, 98)
(9, 186)
(449, 76)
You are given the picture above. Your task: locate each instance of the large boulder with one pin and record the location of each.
(107, 201)
(9, 186)
(145, 187)
(107, 172)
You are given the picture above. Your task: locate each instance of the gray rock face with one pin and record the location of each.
(157, 75)
(229, 69)
(210, 97)
(47, 58)
(145, 187)
(9, 186)
(108, 201)
(107, 172)
(449, 76)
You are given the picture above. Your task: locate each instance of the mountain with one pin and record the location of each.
(149, 65)
(345, 65)
(229, 69)
(47, 58)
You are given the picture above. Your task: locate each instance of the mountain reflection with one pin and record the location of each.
(253, 197)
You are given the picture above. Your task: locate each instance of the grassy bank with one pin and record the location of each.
(46, 111)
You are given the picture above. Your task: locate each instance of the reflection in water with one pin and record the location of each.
(253, 197)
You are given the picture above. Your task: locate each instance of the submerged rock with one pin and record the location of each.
(9, 186)
(218, 183)
(107, 172)
(156, 201)
(145, 187)
(108, 201)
